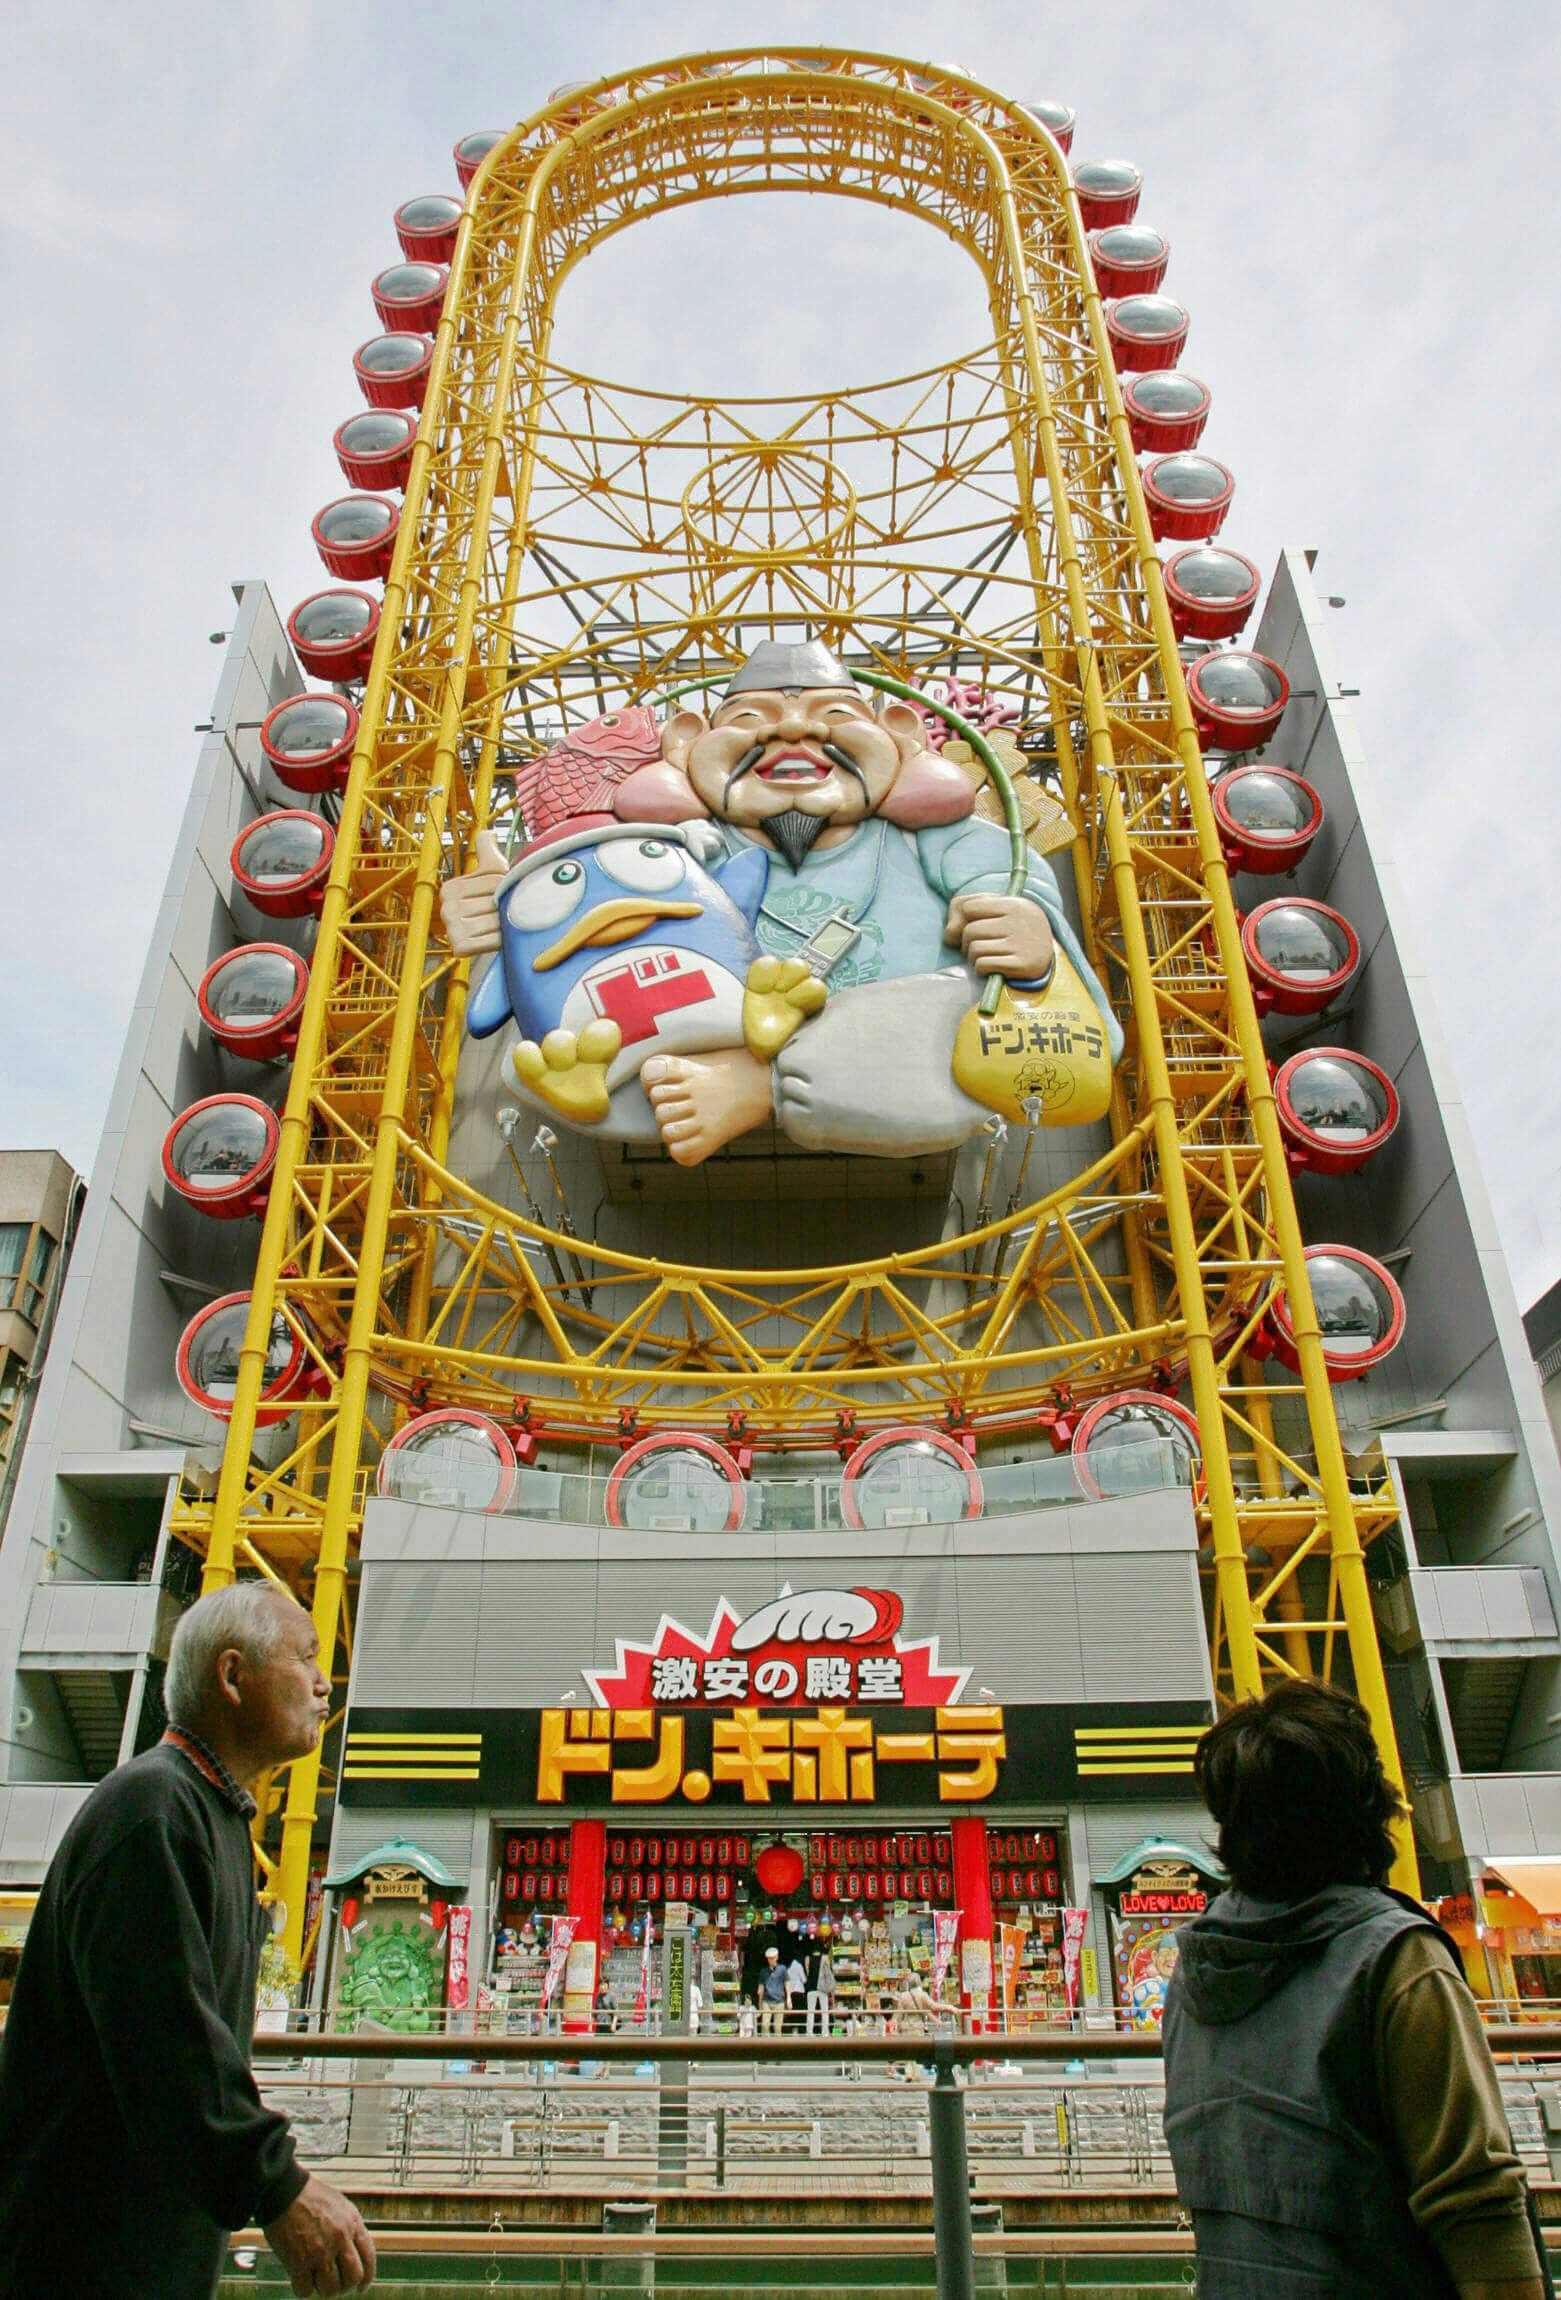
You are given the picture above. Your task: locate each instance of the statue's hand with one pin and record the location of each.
(467, 905)
(1002, 934)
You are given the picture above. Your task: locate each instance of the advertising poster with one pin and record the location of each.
(1011, 1940)
(579, 1981)
(458, 1967)
(1073, 1924)
(975, 1968)
(945, 1932)
(557, 1956)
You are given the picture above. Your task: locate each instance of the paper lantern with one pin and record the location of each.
(779, 1870)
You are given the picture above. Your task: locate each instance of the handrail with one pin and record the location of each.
(1516, 2037)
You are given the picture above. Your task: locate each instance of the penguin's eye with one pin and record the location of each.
(647, 866)
(545, 897)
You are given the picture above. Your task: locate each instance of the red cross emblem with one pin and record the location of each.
(636, 995)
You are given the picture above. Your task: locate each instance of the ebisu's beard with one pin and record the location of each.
(794, 833)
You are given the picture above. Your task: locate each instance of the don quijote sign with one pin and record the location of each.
(804, 1646)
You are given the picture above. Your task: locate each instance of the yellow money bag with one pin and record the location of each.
(1045, 1045)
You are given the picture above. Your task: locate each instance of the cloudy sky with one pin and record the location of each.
(197, 199)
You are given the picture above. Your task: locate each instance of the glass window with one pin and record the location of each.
(24, 1261)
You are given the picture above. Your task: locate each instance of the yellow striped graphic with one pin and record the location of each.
(412, 1757)
(1124, 1749)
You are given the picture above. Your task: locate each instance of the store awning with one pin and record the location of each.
(1539, 1882)
(398, 1853)
(1159, 1849)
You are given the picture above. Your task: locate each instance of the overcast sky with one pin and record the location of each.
(197, 198)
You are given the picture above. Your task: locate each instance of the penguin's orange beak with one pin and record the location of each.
(617, 921)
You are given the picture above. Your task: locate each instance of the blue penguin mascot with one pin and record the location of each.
(617, 943)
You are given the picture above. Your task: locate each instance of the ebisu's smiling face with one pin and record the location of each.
(824, 752)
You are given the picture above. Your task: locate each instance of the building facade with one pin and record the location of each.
(789, 1437)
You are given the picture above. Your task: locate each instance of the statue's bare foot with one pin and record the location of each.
(703, 1101)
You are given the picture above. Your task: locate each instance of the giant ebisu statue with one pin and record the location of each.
(780, 915)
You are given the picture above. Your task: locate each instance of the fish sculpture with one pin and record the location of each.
(616, 942)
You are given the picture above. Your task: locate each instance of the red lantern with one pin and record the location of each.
(349, 1911)
(779, 1870)
(436, 1910)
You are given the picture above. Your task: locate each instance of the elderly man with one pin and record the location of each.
(131, 2132)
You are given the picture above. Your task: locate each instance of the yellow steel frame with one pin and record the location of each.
(568, 545)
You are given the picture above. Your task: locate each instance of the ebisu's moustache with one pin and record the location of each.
(755, 752)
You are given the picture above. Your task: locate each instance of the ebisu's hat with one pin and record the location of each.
(778, 667)
(580, 831)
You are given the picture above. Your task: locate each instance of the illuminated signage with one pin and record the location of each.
(751, 1759)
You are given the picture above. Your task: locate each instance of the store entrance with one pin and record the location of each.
(870, 1929)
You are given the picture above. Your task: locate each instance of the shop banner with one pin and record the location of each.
(1074, 1922)
(458, 1969)
(557, 1955)
(579, 1983)
(642, 2001)
(945, 1932)
(1011, 1940)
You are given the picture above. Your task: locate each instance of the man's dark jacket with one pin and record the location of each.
(131, 2132)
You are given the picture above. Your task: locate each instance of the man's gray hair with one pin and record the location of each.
(251, 1615)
